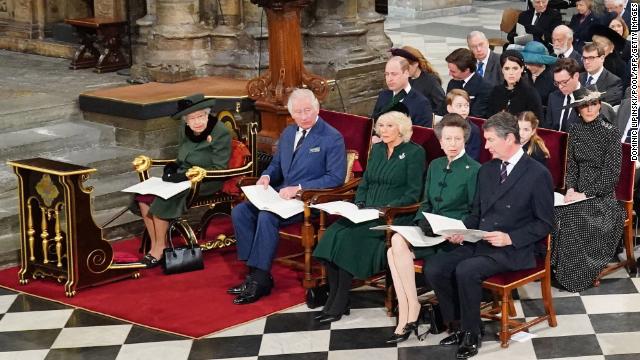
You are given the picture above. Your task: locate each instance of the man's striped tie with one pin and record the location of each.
(503, 171)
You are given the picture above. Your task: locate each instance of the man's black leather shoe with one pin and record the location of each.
(320, 315)
(454, 339)
(238, 289)
(252, 293)
(469, 346)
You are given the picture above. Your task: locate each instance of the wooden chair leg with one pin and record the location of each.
(628, 245)
(504, 320)
(545, 287)
(512, 306)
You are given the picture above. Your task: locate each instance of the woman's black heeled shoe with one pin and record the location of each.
(411, 327)
(151, 261)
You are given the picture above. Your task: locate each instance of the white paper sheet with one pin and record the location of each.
(155, 186)
(446, 226)
(348, 210)
(558, 200)
(413, 235)
(269, 200)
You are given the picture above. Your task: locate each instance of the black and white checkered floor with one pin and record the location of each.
(600, 323)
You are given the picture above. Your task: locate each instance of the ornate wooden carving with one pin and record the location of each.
(286, 68)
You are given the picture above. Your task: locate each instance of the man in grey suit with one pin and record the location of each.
(487, 62)
(604, 80)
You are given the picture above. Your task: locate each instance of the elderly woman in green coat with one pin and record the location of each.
(448, 191)
(393, 177)
(203, 141)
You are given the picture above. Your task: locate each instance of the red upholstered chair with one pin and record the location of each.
(504, 283)
(557, 144)
(357, 132)
(624, 193)
(485, 155)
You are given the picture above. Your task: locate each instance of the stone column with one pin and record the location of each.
(178, 45)
(422, 9)
(376, 37)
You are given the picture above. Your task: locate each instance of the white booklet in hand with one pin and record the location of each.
(269, 200)
(413, 235)
(348, 210)
(155, 186)
(446, 226)
(558, 200)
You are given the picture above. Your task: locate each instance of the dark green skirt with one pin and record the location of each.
(176, 205)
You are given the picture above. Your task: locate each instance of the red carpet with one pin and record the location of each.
(192, 304)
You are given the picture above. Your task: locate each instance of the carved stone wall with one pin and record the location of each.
(419, 9)
(343, 40)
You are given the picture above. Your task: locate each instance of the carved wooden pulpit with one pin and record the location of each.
(286, 69)
(58, 237)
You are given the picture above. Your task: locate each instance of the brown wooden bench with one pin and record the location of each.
(101, 44)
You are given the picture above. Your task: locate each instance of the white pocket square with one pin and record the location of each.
(315, 149)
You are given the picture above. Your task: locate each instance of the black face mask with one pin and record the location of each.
(213, 120)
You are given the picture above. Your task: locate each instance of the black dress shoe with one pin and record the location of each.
(454, 339)
(150, 261)
(238, 289)
(406, 332)
(328, 318)
(320, 315)
(469, 346)
(252, 293)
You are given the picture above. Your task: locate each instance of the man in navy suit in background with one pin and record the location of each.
(462, 69)
(566, 77)
(310, 155)
(514, 205)
(396, 75)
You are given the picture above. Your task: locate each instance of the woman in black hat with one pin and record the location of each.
(587, 232)
(424, 78)
(516, 94)
(204, 142)
(613, 45)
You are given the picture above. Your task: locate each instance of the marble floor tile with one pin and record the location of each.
(516, 350)
(225, 347)
(288, 343)
(616, 322)
(255, 327)
(620, 343)
(367, 354)
(532, 291)
(566, 346)
(579, 324)
(24, 355)
(364, 338)
(51, 319)
(6, 301)
(92, 336)
(28, 340)
(84, 353)
(603, 304)
(167, 350)
(361, 318)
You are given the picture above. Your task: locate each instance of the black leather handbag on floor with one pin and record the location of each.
(182, 259)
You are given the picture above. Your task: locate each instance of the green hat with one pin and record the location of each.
(191, 104)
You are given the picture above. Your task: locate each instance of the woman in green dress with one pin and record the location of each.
(449, 190)
(203, 141)
(393, 177)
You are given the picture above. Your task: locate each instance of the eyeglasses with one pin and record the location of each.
(590, 58)
(562, 83)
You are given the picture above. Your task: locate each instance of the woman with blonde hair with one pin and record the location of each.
(532, 143)
(424, 78)
(393, 178)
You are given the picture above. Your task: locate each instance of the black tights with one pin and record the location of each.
(339, 286)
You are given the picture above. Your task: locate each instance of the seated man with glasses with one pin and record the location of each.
(604, 80)
(566, 76)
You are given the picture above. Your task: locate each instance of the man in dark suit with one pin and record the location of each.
(396, 75)
(604, 80)
(310, 155)
(462, 69)
(540, 21)
(620, 8)
(514, 205)
(562, 39)
(487, 62)
(566, 76)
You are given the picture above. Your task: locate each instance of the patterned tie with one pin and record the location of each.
(503, 171)
(535, 22)
(304, 134)
(589, 80)
(394, 101)
(561, 56)
(480, 70)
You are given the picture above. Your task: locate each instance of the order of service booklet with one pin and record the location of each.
(558, 200)
(348, 210)
(446, 226)
(155, 186)
(413, 235)
(269, 200)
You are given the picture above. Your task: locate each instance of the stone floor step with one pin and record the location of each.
(54, 138)
(35, 110)
(107, 192)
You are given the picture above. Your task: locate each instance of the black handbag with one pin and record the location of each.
(182, 259)
(433, 317)
(317, 296)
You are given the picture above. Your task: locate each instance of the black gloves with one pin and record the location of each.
(424, 225)
(360, 205)
(170, 173)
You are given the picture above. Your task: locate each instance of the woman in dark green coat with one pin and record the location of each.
(449, 191)
(205, 142)
(393, 178)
